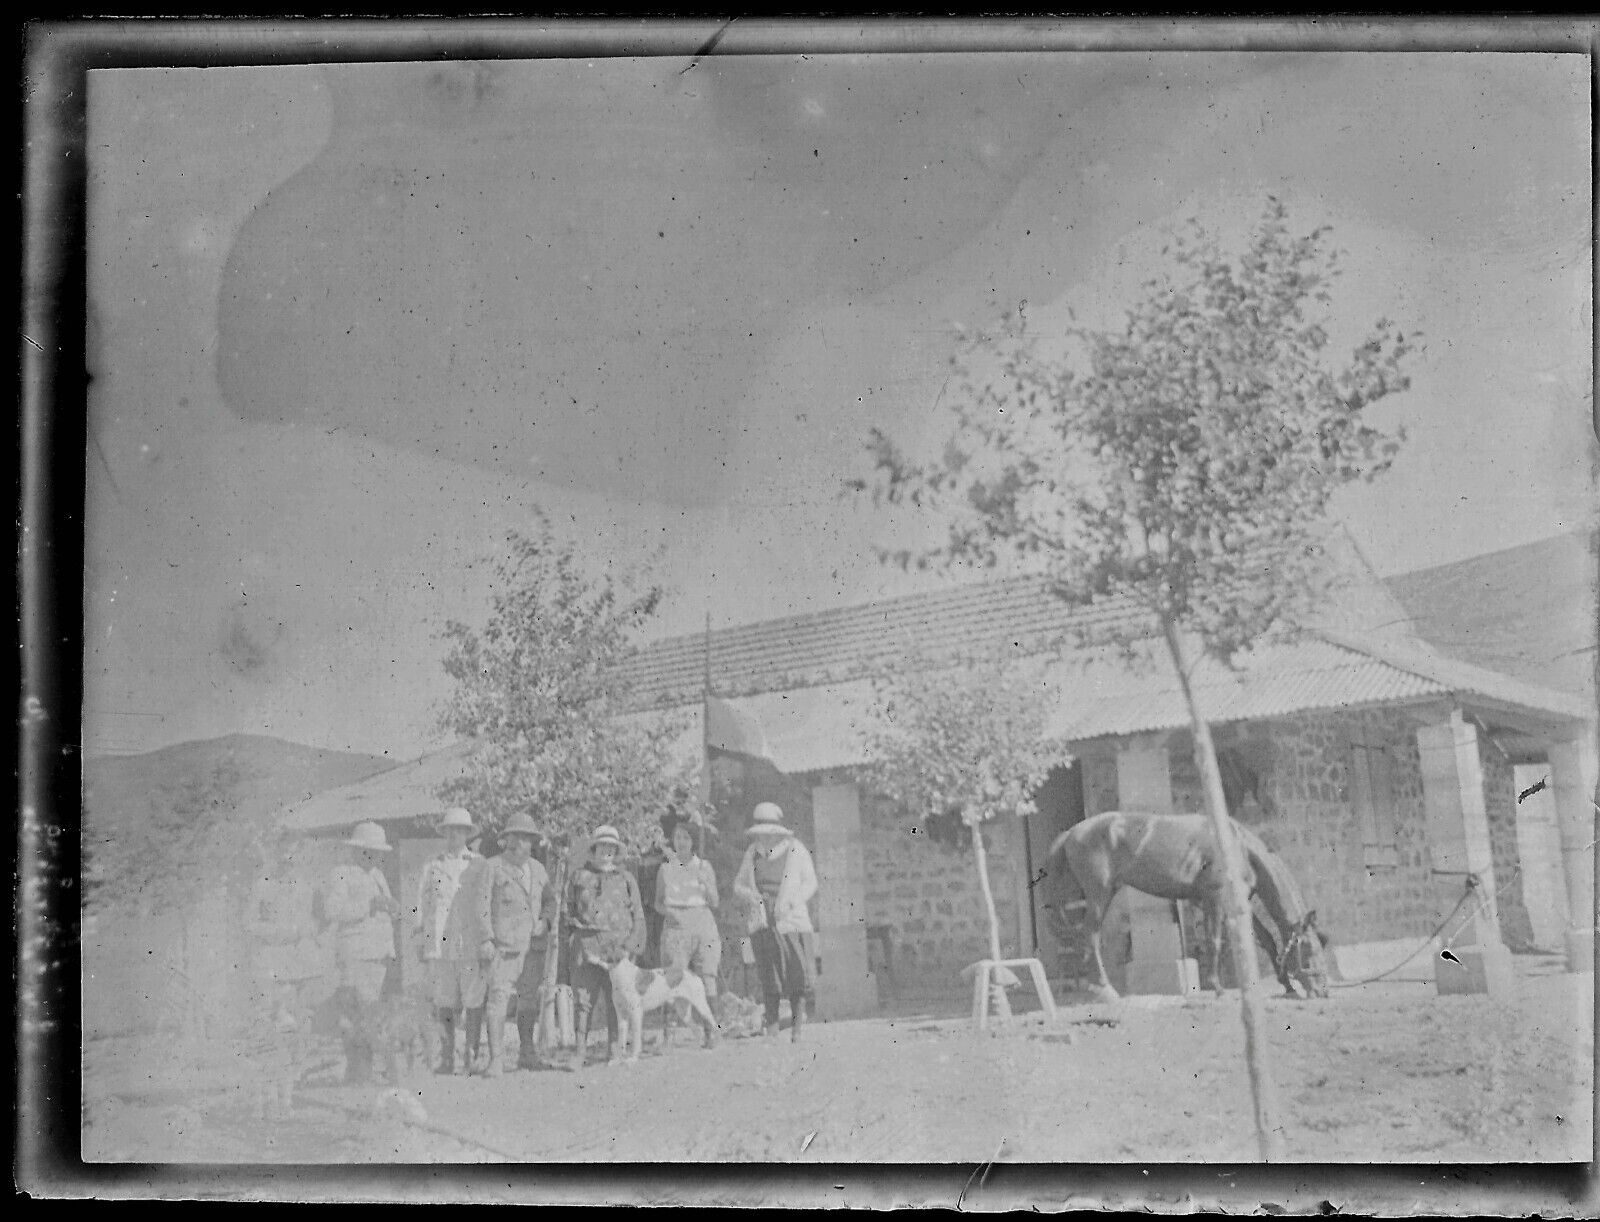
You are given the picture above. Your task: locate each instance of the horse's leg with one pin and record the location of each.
(1214, 927)
(1099, 900)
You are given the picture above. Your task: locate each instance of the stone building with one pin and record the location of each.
(1384, 771)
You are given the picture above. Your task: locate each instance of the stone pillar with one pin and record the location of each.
(1573, 768)
(1156, 959)
(847, 988)
(1458, 841)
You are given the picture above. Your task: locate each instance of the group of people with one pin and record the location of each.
(484, 928)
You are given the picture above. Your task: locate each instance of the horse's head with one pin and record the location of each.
(1302, 957)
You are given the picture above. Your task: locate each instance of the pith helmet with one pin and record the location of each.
(368, 836)
(520, 825)
(605, 834)
(458, 816)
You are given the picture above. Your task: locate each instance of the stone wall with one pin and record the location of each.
(928, 894)
(1310, 820)
(1500, 801)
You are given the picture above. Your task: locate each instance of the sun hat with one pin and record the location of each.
(368, 836)
(605, 834)
(767, 820)
(520, 825)
(458, 816)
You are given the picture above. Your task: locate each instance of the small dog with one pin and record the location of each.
(635, 992)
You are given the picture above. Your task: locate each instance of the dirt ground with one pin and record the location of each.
(1380, 1073)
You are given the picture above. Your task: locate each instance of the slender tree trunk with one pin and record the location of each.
(1236, 904)
(997, 991)
(552, 957)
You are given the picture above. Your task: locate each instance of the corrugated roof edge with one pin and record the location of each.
(1462, 677)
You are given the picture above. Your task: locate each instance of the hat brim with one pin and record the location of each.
(769, 829)
(594, 844)
(371, 848)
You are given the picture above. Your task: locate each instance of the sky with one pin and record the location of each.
(350, 324)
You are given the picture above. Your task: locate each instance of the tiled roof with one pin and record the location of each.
(1099, 696)
(1015, 614)
(1019, 617)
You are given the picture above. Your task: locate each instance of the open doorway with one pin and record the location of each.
(1060, 805)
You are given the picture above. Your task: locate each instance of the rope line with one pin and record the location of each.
(1472, 885)
(1483, 906)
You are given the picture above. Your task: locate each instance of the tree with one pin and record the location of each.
(539, 688)
(968, 740)
(1181, 466)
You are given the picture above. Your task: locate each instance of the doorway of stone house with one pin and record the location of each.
(1053, 926)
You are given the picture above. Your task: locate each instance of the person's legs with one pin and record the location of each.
(704, 961)
(769, 971)
(798, 973)
(613, 1053)
(528, 998)
(585, 991)
(502, 976)
(446, 1001)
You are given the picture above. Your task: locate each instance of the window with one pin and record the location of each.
(1372, 796)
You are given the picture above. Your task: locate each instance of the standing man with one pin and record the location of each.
(360, 908)
(449, 956)
(510, 905)
(529, 987)
(776, 880)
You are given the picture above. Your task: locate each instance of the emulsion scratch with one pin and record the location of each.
(710, 46)
(984, 1169)
(1542, 783)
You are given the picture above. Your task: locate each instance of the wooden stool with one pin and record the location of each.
(983, 974)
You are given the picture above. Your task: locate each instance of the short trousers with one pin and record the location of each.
(500, 976)
(690, 939)
(457, 983)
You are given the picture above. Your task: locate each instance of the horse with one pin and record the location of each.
(1175, 857)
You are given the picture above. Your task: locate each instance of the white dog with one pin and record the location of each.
(635, 992)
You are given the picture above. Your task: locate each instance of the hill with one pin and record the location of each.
(250, 774)
(1527, 611)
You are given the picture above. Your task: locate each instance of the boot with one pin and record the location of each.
(770, 1027)
(447, 1057)
(797, 1007)
(474, 1036)
(527, 1057)
(581, 1031)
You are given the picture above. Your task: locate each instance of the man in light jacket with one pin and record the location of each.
(776, 881)
(360, 908)
(448, 954)
(512, 903)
